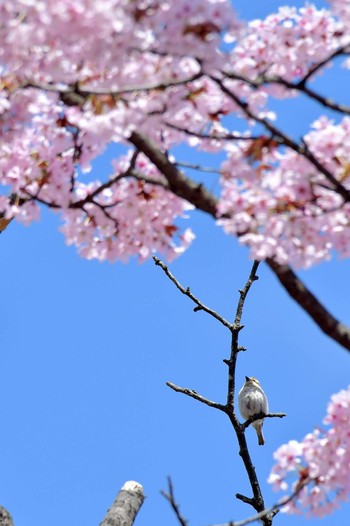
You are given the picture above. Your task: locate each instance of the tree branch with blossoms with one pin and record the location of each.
(319, 463)
(284, 139)
(301, 85)
(202, 199)
(76, 95)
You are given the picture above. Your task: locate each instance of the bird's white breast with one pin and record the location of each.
(252, 401)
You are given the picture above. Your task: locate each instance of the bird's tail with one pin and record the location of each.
(258, 427)
(261, 439)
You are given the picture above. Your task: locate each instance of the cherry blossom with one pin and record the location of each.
(342, 9)
(285, 44)
(281, 206)
(320, 463)
(128, 217)
(79, 76)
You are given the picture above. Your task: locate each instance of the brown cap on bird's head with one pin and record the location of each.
(252, 380)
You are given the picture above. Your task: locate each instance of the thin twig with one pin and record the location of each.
(272, 511)
(171, 499)
(342, 50)
(243, 293)
(213, 137)
(198, 167)
(196, 396)
(236, 329)
(77, 91)
(187, 292)
(150, 180)
(260, 416)
(301, 85)
(312, 94)
(90, 197)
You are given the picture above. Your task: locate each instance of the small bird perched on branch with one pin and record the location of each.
(252, 401)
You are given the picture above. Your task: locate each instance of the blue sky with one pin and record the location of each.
(86, 349)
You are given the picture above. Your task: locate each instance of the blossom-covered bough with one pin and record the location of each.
(141, 77)
(320, 463)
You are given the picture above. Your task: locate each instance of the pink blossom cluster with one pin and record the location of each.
(287, 43)
(281, 206)
(112, 43)
(342, 9)
(37, 162)
(49, 143)
(321, 463)
(129, 217)
(78, 76)
(36, 154)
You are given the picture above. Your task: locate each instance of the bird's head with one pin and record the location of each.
(250, 380)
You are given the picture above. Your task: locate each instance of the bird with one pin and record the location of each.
(252, 401)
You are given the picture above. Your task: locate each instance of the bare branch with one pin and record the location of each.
(257, 501)
(235, 348)
(243, 293)
(260, 416)
(196, 396)
(126, 505)
(187, 292)
(171, 499)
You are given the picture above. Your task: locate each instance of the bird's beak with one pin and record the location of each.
(247, 378)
